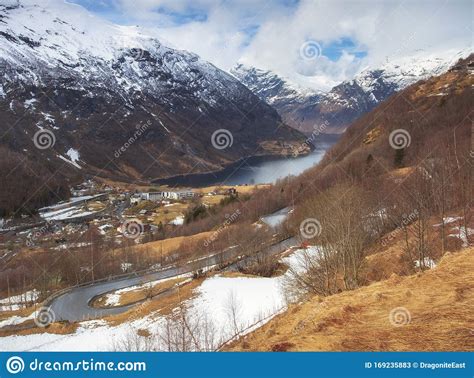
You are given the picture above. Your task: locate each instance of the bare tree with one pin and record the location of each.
(346, 224)
(233, 306)
(187, 330)
(136, 341)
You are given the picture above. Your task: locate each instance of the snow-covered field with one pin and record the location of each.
(68, 210)
(67, 213)
(228, 305)
(17, 302)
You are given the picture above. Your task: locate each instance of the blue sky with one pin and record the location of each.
(189, 12)
(271, 34)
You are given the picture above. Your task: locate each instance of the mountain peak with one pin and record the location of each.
(271, 87)
(332, 112)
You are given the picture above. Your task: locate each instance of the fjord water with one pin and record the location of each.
(253, 170)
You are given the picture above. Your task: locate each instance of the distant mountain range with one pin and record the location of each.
(333, 111)
(93, 84)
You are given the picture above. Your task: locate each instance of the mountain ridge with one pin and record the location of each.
(332, 112)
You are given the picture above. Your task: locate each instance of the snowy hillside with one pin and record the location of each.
(404, 71)
(62, 38)
(93, 86)
(271, 87)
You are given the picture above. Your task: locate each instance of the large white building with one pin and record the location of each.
(158, 196)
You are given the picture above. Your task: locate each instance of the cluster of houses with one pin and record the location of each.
(160, 196)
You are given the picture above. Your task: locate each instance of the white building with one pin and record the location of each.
(159, 196)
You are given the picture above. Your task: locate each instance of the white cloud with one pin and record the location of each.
(382, 29)
(385, 30)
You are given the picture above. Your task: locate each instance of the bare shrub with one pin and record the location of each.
(348, 226)
(135, 340)
(186, 331)
(263, 265)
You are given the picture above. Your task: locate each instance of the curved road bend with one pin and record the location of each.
(74, 304)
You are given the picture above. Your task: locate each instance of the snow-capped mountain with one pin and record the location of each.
(125, 104)
(274, 89)
(334, 111)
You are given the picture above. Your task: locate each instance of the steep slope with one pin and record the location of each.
(423, 120)
(334, 111)
(117, 102)
(363, 320)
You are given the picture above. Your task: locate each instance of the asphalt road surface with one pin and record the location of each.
(74, 305)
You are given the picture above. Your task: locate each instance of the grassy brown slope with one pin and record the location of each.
(440, 302)
(435, 112)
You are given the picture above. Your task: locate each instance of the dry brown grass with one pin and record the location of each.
(161, 305)
(372, 135)
(29, 328)
(141, 294)
(170, 245)
(440, 302)
(169, 213)
(147, 292)
(95, 206)
(449, 82)
(400, 173)
(212, 200)
(144, 187)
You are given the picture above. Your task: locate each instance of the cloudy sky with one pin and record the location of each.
(317, 43)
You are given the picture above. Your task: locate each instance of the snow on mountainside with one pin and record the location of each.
(64, 38)
(96, 86)
(271, 87)
(334, 111)
(405, 71)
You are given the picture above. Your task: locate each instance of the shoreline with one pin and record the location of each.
(185, 179)
(204, 179)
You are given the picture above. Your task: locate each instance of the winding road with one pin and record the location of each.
(74, 304)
